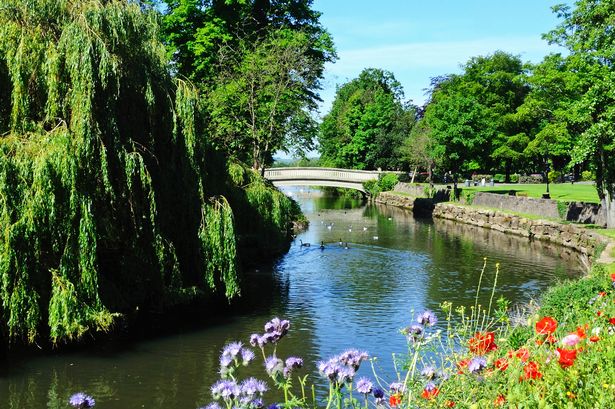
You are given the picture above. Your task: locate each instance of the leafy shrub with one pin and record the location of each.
(387, 181)
(514, 178)
(555, 176)
(588, 175)
(533, 178)
(478, 178)
(499, 178)
(371, 187)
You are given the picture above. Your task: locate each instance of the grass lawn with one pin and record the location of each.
(560, 191)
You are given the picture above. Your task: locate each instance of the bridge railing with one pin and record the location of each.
(347, 175)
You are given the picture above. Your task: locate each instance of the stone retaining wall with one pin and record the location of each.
(577, 212)
(568, 235)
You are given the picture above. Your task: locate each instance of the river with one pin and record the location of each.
(335, 298)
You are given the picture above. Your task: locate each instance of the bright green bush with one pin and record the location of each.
(387, 181)
(588, 175)
(555, 176)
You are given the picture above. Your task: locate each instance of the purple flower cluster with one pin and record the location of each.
(427, 318)
(274, 331)
(429, 372)
(364, 386)
(274, 366)
(430, 386)
(379, 395)
(397, 387)
(232, 355)
(249, 393)
(342, 368)
(477, 364)
(292, 362)
(81, 400)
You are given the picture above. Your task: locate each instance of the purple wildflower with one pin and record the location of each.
(247, 356)
(429, 372)
(252, 386)
(274, 406)
(379, 395)
(345, 374)
(213, 405)
(330, 369)
(274, 366)
(353, 358)
(225, 361)
(276, 329)
(257, 403)
(477, 364)
(364, 386)
(430, 386)
(397, 387)
(81, 400)
(225, 389)
(427, 318)
(294, 362)
(232, 350)
(257, 340)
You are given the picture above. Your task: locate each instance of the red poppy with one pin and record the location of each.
(566, 357)
(483, 343)
(612, 320)
(581, 331)
(450, 404)
(395, 399)
(522, 353)
(462, 365)
(531, 371)
(599, 313)
(430, 393)
(594, 338)
(499, 401)
(501, 364)
(547, 325)
(613, 276)
(602, 293)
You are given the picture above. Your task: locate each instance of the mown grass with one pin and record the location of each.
(560, 191)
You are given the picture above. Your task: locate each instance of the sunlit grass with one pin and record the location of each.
(560, 191)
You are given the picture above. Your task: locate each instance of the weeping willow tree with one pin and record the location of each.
(110, 195)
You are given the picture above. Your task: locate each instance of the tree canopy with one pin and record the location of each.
(367, 123)
(111, 195)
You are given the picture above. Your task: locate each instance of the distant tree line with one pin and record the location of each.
(499, 115)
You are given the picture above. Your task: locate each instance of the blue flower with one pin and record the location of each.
(252, 386)
(232, 350)
(274, 366)
(353, 358)
(429, 372)
(247, 356)
(477, 364)
(430, 386)
(427, 318)
(213, 405)
(397, 387)
(364, 386)
(225, 389)
(81, 400)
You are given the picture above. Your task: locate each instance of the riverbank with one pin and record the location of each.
(586, 241)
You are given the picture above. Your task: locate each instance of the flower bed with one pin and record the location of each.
(560, 356)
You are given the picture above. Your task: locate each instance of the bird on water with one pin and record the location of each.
(304, 244)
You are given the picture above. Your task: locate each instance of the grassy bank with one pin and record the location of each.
(559, 191)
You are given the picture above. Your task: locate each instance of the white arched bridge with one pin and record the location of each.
(333, 177)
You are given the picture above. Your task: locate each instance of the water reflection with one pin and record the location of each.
(336, 298)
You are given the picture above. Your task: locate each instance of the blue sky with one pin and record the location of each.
(417, 40)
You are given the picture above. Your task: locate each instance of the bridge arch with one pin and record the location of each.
(332, 177)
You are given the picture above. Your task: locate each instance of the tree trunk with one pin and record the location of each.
(608, 204)
(414, 174)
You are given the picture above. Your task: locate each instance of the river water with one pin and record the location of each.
(335, 298)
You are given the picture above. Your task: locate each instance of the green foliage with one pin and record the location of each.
(367, 123)
(562, 209)
(387, 181)
(514, 178)
(111, 196)
(260, 64)
(570, 299)
(499, 178)
(384, 183)
(468, 113)
(587, 175)
(555, 176)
